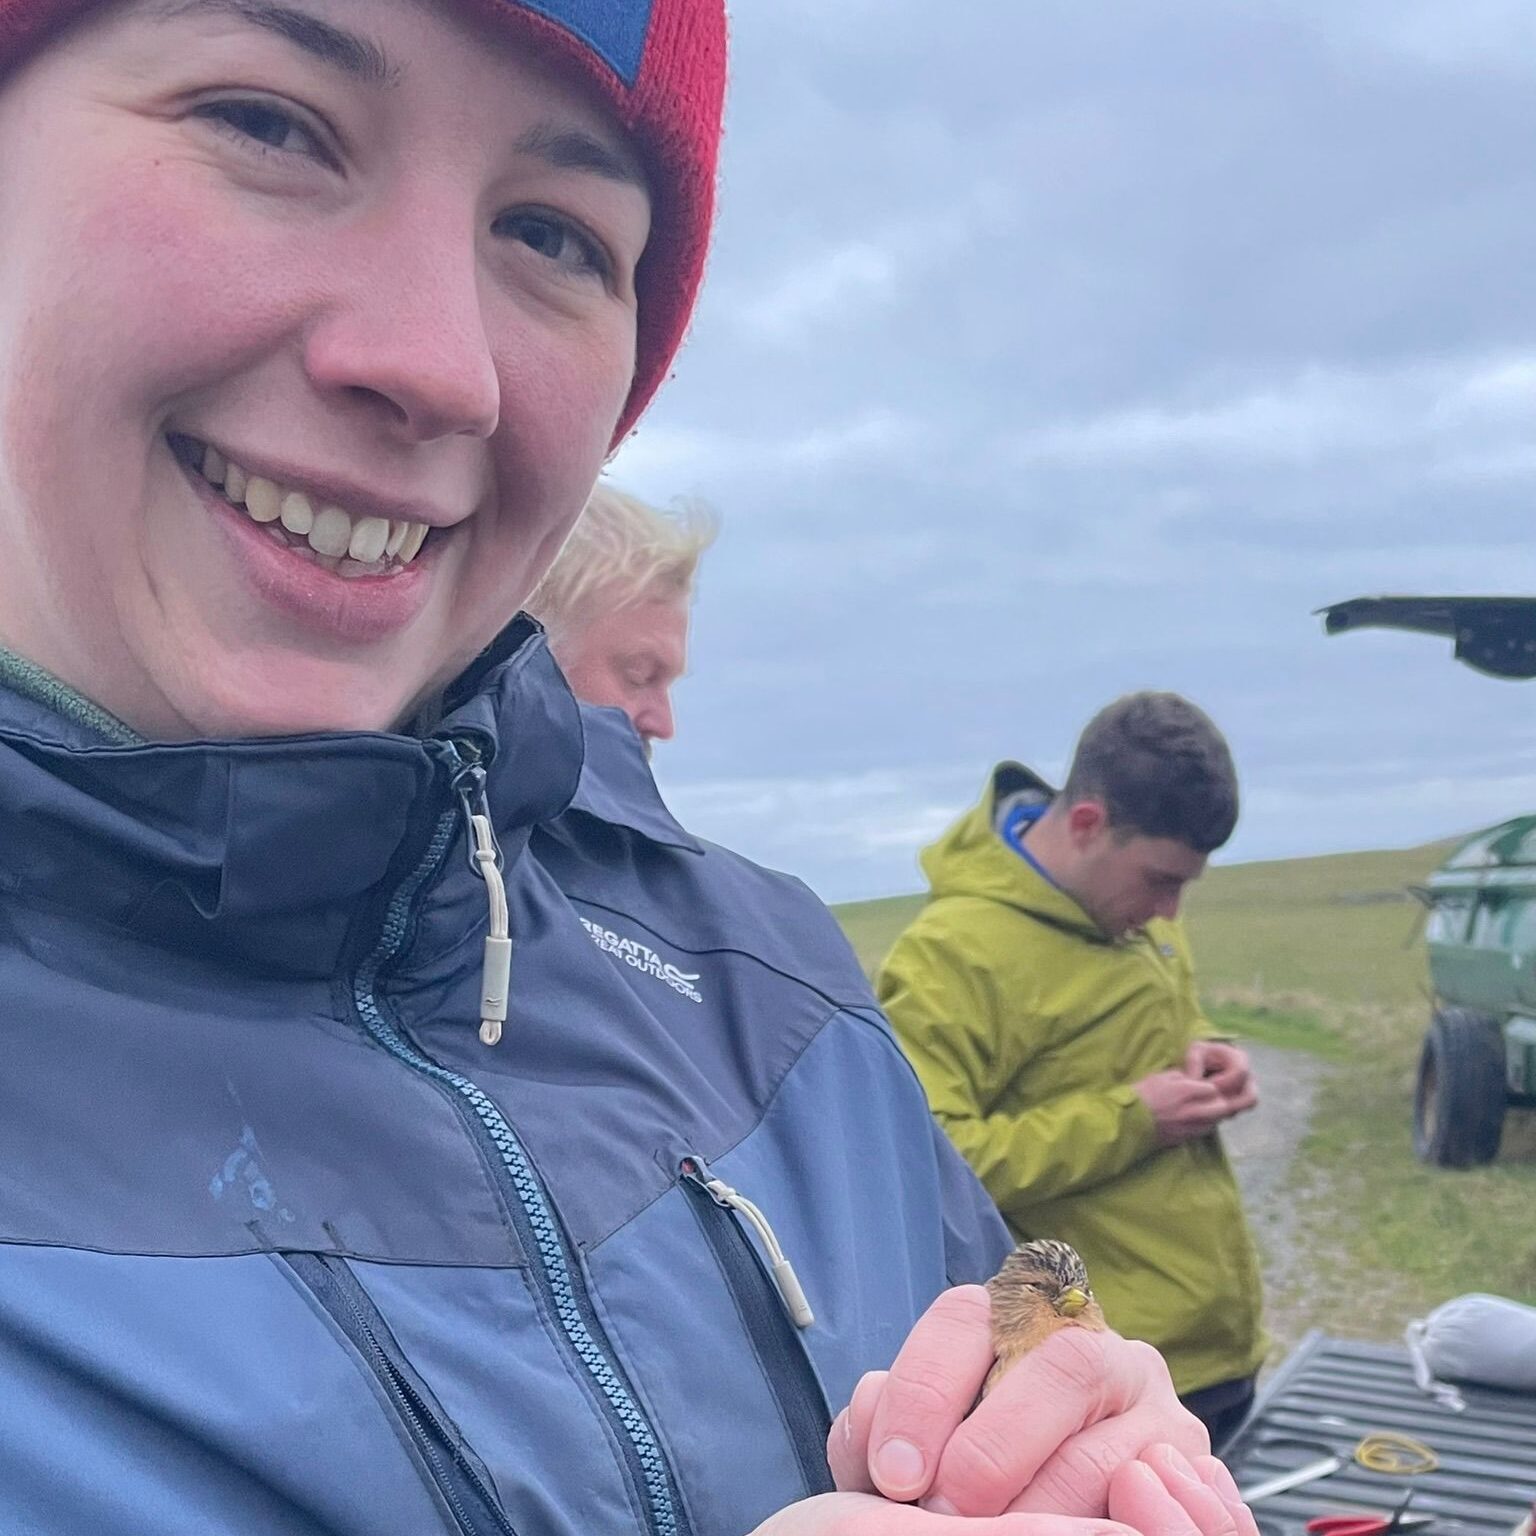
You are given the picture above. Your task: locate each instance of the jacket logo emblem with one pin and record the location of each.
(644, 958)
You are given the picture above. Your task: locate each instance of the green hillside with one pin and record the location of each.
(1341, 926)
(872, 926)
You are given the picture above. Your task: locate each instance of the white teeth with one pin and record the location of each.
(411, 547)
(298, 516)
(369, 536)
(263, 500)
(332, 532)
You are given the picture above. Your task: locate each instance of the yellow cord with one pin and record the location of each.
(1396, 1454)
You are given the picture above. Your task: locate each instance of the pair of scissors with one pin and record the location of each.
(1368, 1524)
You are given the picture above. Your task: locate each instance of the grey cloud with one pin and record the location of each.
(1054, 350)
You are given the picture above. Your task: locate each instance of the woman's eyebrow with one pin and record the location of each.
(570, 149)
(574, 149)
(356, 56)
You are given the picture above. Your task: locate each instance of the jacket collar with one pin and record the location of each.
(270, 850)
(616, 785)
(1013, 788)
(972, 858)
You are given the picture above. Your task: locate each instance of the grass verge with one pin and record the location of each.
(1285, 1023)
(1383, 1237)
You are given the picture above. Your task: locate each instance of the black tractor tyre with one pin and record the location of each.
(1460, 1097)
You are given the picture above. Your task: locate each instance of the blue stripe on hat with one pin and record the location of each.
(613, 29)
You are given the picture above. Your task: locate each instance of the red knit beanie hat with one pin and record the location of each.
(659, 65)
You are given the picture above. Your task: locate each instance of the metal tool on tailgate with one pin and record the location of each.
(1368, 1524)
(1308, 1473)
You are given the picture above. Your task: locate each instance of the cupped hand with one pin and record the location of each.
(1046, 1440)
(1160, 1493)
(1227, 1068)
(1184, 1106)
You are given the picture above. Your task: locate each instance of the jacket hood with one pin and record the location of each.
(972, 859)
(270, 850)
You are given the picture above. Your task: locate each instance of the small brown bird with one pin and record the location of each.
(1042, 1286)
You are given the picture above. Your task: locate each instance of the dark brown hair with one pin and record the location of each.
(1160, 768)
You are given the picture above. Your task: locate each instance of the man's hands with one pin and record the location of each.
(1083, 1437)
(1215, 1083)
(1159, 1494)
(1224, 1064)
(1046, 1439)
(1184, 1107)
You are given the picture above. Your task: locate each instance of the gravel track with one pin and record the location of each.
(1263, 1146)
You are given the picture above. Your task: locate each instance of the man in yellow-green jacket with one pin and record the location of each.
(1046, 997)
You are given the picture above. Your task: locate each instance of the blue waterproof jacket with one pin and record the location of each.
(285, 1248)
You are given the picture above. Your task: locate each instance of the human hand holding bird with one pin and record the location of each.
(1063, 1438)
(1076, 1412)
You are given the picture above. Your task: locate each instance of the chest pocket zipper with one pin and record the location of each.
(774, 1309)
(785, 1280)
(461, 1480)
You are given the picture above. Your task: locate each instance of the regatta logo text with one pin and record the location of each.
(643, 958)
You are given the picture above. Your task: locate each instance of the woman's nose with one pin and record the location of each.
(413, 338)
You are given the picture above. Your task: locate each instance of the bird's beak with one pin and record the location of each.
(1071, 1301)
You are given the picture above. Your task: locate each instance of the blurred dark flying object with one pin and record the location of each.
(1496, 635)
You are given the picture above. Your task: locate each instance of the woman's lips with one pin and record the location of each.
(308, 587)
(375, 542)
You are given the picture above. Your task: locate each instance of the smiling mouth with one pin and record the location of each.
(347, 546)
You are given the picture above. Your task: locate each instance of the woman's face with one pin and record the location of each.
(284, 285)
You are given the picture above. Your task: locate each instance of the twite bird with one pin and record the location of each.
(1042, 1287)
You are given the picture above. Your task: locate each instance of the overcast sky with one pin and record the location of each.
(1056, 348)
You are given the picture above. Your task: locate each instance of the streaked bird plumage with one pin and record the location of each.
(1041, 1288)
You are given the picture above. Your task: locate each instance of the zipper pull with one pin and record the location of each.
(785, 1280)
(485, 859)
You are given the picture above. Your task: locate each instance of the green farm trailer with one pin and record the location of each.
(1479, 1054)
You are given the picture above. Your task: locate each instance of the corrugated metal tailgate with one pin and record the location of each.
(1332, 1393)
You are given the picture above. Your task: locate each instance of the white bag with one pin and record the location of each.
(1488, 1340)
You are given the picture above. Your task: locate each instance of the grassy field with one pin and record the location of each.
(872, 926)
(1342, 926)
(1323, 957)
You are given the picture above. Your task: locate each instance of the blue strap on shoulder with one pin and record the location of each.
(1016, 824)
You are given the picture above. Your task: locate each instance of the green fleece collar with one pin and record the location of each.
(32, 682)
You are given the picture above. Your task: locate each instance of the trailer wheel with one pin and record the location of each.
(1460, 1097)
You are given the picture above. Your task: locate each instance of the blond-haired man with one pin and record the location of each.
(616, 601)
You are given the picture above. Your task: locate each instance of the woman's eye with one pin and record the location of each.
(556, 240)
(264, 124)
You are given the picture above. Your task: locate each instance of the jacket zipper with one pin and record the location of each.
(462, 1485)
(773, 1309)
(552, 1265)
(486, 862)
